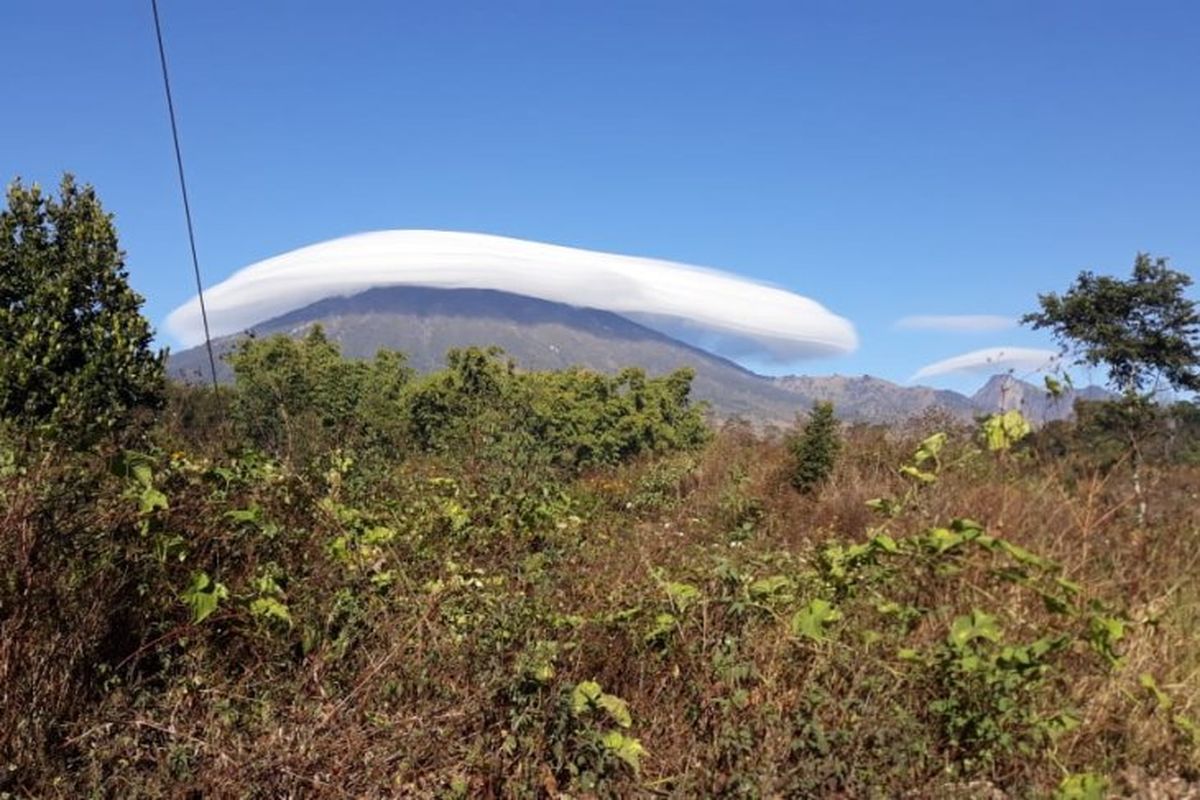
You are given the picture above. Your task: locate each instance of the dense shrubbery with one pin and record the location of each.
(299, 398)
(468, 613)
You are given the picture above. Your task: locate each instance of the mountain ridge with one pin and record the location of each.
(425, 322)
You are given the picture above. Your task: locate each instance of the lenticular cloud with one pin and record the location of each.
(743, 317)
(993, 359)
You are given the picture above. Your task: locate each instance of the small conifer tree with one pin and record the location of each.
(815, 451)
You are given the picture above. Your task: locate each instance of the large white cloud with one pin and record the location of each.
(991, 360)
(956, 323)
(738, 315)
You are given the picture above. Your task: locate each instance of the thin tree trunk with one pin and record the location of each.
(1136, 463)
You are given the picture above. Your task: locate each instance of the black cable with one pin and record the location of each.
(187, 209)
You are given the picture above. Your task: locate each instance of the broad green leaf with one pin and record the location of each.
(617, 708)
(976, 625)
(584, 696)
(151, 499)
(203, 596)
(1082, 786)
(929, 448)
(270, 608)
(918, 475)
(625, 748)
(775, 589)
(1002, 431)
(681, 595)
(1162, 701)
(810, 621)
(664, 623)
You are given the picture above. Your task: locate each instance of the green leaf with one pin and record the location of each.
(929, 448)
(681, 595)
(625, 748)
(918, 475)
(151, 499)
(1162, 701)
(270, 608)
(664, 624)
(1082, 786)
(203, 596)
(1002, 431)
(584, 696)
(973, 626)
(617, 708)
(775, 589)
(811, 621)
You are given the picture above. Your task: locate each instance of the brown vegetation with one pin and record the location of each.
(433, 624)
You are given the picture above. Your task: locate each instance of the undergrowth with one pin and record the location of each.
(478, 617)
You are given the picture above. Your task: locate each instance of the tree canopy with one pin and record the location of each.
(1144, 330)
(75, 354)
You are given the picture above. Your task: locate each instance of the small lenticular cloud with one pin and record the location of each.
(773, 323)
(957, 323)
(993, 359)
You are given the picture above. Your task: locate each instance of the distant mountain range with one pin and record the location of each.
(425, 322)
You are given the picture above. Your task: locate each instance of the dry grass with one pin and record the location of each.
(421, 686)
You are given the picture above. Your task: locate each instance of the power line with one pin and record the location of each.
(187, 209)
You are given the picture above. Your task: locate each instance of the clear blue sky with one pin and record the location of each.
(884, 158)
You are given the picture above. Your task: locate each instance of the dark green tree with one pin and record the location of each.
(1144, 331)
(75, 354)
(815, 451)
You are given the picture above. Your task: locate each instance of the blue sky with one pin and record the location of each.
(885, 159)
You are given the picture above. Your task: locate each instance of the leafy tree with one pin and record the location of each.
(75, 355)
(1145, 331)
(571, 418)
(297, 396)
(815, 451)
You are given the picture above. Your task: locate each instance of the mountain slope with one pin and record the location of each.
(424, 323)
(870, 399)
(1004, 392)
(538, 334)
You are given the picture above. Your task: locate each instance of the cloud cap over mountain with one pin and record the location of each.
(741, 316)
(991, 360)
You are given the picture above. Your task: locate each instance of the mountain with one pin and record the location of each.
(1004, 392)
(870, 399)
(538, 334)
(425, 322)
